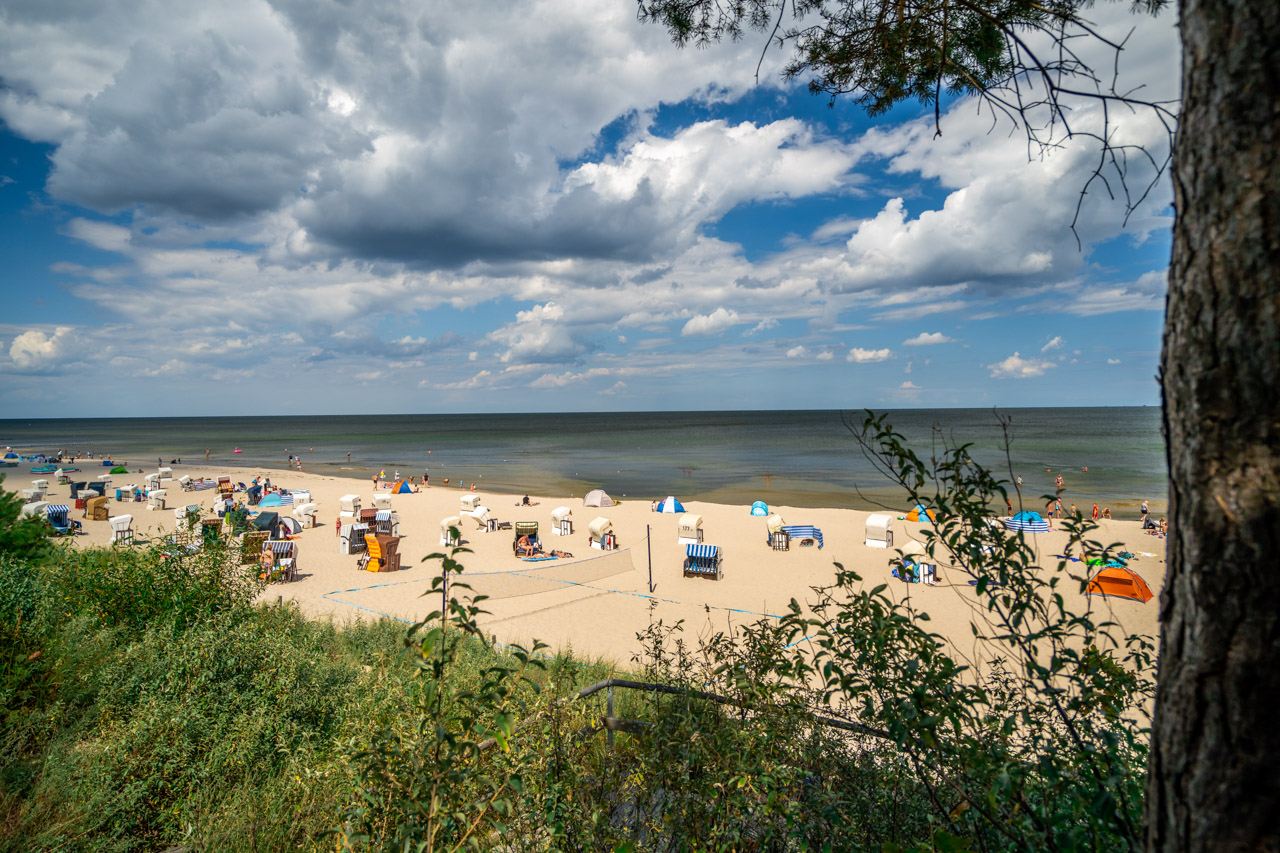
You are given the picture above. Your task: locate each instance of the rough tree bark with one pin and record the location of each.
(1215, 762)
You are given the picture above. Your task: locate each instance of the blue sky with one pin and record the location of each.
(389, 206)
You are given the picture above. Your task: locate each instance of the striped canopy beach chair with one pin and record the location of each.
(703, 561)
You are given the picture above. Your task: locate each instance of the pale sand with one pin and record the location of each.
(599, 618)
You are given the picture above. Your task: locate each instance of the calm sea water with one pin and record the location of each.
(801, 458)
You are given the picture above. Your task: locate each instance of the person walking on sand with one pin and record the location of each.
(1095, 512)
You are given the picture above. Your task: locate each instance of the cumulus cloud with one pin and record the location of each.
(796, 352)
(35, 351)
(1113, 361)
(858, 355)
(1017, 367)
(711, 324)
(538, 336)
(927, 339)
(1054, 343)
(909, 386)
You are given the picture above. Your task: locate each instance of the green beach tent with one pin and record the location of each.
(119, 469)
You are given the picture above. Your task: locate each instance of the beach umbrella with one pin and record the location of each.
(760, 508)
(670, 505)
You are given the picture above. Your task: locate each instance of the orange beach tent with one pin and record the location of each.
(922, 513)
(1120, 582)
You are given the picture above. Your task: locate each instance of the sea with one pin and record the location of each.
(791, 458)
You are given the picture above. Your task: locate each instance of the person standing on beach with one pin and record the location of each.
(348, 455)
(1095, 512)
(206, 454)
(1059, 482)
(1145, 509)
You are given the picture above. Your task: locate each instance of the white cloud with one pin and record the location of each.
(710, 324)
(826, 355)
(927, 339)
(1017, 367)
(858, 355)
(909, 386)
(1055, 343)
(538, 336)
(1113, 361)
(796, 352)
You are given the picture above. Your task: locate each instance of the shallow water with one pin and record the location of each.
(796, 458)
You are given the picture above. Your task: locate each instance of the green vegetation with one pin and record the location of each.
(148, 702)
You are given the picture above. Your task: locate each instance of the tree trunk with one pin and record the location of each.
(1215, 761)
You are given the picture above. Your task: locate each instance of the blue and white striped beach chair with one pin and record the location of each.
(702, 561)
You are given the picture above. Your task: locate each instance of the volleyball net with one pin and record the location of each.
(531, 578)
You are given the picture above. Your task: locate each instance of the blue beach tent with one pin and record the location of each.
(760, 509)
(401, 488)
(670, 505)
(1028, 521)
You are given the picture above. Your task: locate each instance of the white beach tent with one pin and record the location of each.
(155, 498)
(563, 524)
(35, 508)
(469, 502)
(446, 537)
(690, 530)
(879, 530)
(349, 506)
(382, 501)
(597, 497)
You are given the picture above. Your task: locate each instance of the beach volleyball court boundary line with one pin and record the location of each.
(525, 573)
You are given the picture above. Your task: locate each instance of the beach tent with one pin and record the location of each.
(272, 499)
(12, 456)
(469, 502)
(920, 513)
(670, 506)
(597, 497)
(401, 488)
(1120, 582)
(382, 501)
(760, 509)
(119, 469)
(1028, 521)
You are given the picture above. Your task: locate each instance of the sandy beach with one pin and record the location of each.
(595, 602)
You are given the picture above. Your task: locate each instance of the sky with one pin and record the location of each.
(314, 207)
